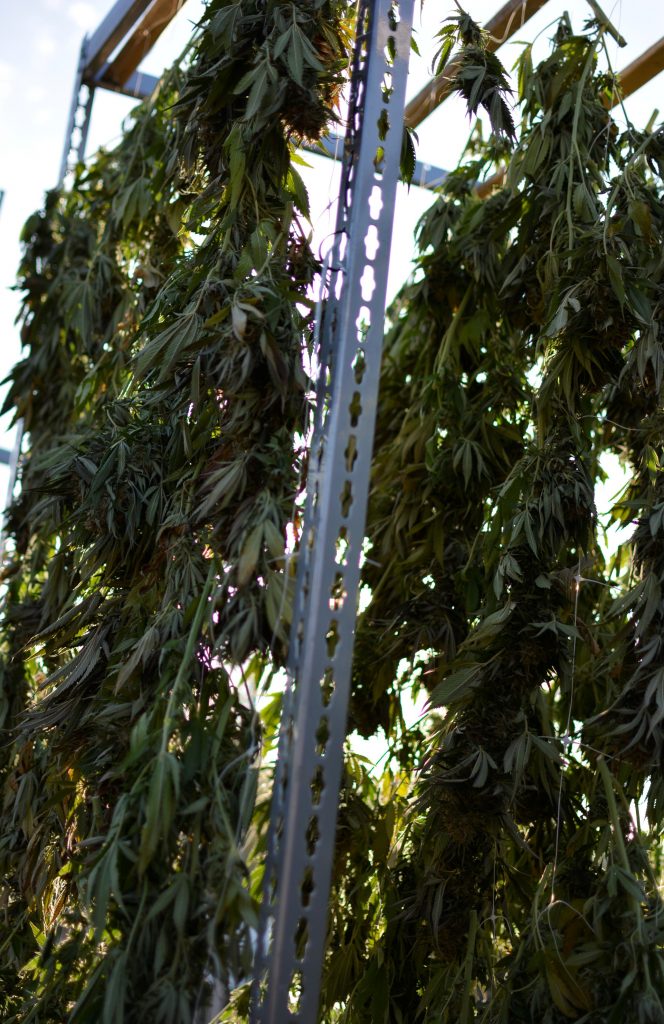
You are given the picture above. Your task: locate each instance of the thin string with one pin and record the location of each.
(506, 34)
(566, 738)
(494, 930)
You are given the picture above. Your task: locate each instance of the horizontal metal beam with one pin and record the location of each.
(424, 176)
(111, 32)
(141, 40)
(500, 28)
(139, 86)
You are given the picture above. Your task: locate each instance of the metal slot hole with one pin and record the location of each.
(346, 499)
(301, 937)
(317, 786)
(359, 366)
(368, 283)
(307, 886)
(327, 687)
(322, 736)
(295, 992)
(355, 408)
(351, 453)
(337, 593)
(312, 836)
(371, 245)
(375, 202)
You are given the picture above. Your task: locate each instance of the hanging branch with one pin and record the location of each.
(494, 902)
(151, 532)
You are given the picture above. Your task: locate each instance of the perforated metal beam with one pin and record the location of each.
(73, 123)
(306, 793)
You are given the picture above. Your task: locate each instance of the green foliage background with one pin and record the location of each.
(501, 862)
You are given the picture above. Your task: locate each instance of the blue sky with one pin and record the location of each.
(39, 45)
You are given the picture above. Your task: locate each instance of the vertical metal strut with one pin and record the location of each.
(82, 98)
(310, 758)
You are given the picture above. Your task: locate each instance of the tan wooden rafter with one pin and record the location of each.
(640, 71)
(141, 40)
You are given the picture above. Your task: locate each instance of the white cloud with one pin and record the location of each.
(83, 14)
(45, 45)
(6, 79)
(35, 94)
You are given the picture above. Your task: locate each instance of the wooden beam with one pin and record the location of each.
(640, 71)
(484, 188)
(141, 41)
(501, 27)
(110, 33)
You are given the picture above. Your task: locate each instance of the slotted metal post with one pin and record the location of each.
(310, 762)
(71, 145)
(73, 124)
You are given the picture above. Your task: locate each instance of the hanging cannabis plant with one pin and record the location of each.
(508, 863)
(164, 321)
(500, 862)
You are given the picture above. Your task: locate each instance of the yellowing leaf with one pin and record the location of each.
(248, 560)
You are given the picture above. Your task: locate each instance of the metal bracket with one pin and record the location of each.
(425, 176)
(138, 86)
(304, 811)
